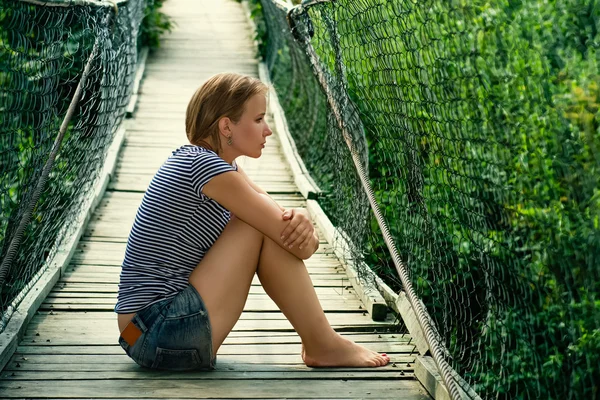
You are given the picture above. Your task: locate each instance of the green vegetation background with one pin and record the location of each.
(483, 129)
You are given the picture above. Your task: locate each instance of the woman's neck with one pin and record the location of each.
(228, 158)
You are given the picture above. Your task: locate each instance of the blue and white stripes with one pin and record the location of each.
(174, 227)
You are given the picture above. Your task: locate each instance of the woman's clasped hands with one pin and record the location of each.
(300, 231)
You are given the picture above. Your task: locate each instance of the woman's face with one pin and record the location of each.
(249, 135)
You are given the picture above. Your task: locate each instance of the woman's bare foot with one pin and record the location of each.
(343, 353)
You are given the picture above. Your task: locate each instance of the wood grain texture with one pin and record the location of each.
(195, 388)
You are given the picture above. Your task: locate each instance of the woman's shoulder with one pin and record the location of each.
(195, 155)
(200, 160)
(193, 150)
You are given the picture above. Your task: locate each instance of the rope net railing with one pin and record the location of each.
(478, 125)
(44, 49)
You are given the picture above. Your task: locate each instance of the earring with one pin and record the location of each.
(229, 141)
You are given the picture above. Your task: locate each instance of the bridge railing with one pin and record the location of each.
(66, 71)
(456, 144)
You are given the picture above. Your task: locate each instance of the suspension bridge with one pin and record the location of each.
(69, 348)
(453, 186)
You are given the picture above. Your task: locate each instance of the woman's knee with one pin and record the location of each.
(238, 246)
(238, 224)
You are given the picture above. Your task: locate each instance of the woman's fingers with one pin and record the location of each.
(296, 220)
(298, 231)
(288, 214)
(291, 240)
(300, 238)
(306, 241)
(290, 228)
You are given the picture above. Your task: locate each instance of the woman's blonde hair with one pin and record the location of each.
(223, 95)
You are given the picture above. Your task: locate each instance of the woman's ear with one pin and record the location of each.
(224, 126)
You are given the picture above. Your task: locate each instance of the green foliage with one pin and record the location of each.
(260, 34)
(154, 24)
(483, 129)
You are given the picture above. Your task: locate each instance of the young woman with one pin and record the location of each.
(203, 230)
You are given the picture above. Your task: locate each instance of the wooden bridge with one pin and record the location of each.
(70, 347)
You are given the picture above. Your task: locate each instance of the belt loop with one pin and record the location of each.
(139, 323)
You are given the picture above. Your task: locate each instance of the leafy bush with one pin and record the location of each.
(483, 129)
(154, 24)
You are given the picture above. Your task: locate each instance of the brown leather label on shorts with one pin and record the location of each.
(131, 333)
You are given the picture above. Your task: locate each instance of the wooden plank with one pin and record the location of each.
(257, 349)
(63, 293)
(412, 324)
(251, 305)
(244, 324)
(29, 359)
(112, 288)
(105, 338)
(130, 205)
(226, 364)
(37, 338)
(113, 276)
(322, 258)
(264, 180)
(256, 175)
(130, 388)
(317, 269)
(137, 197)
(114, 255)
(91, 246)
(81, 296)
(140, 183)
(394, 374)
(339, 307)
(105, 320)
(156, 78)
(338, 283)
(317, 281)
(427, 373)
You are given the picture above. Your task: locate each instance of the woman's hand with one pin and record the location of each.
(300, 230)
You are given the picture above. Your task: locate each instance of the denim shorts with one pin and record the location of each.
(176, 334)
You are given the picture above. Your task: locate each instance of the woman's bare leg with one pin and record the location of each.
(224, 276)
(223, 279)
(286, 280)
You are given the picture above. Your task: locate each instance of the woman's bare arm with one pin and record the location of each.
(233, 192)
(257, 188)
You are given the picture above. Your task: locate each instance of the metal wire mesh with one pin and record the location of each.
(43, 50)
(292, 76)
(479, 125)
